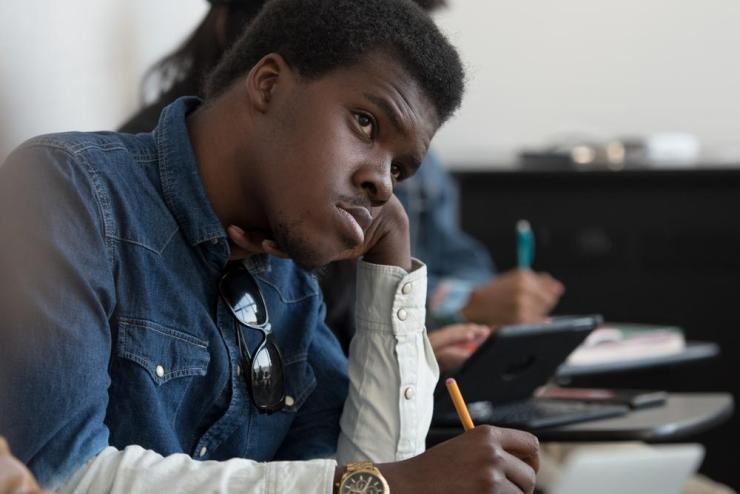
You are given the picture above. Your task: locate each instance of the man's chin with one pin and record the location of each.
(307, 259)
(308, 255)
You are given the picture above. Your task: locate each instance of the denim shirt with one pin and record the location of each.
(112, 331)
(456, 262)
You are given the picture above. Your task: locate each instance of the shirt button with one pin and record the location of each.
(409, 392)
(203, 451)
(289, 401)
(406, 289)
(159, 370)
(402, 314)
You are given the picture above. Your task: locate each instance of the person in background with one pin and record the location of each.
(466, 296)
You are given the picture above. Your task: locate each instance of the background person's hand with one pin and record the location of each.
(14, 476)
(514, 297)
(453, 344)
(485, 460)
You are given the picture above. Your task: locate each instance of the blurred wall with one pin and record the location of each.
(76, 64)
(537, 70)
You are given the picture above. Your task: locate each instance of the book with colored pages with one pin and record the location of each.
(619, 342)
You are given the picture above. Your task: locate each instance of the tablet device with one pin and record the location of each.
(515, 360)
(500, 378)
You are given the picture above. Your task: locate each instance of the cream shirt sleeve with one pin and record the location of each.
(386, 416)
(392, 369)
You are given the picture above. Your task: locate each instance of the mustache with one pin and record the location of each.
(363, 202)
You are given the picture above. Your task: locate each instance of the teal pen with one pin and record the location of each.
(524, 245)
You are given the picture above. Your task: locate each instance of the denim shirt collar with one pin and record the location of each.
(182, 185)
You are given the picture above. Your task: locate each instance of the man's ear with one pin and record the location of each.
(264, 79)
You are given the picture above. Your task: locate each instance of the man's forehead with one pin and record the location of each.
(381, 74)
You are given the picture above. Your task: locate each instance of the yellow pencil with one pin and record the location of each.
(457, 399)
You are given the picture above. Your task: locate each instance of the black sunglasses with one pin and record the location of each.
(266, 382)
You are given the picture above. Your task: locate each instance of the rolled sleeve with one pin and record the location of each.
(392, 368)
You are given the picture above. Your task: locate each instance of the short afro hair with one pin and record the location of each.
(317, 36)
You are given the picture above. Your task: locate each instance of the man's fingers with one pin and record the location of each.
(271, 247)
(247, 243)
(519, 473)
(523, 445)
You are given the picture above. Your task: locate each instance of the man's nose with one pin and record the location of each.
(375, 181)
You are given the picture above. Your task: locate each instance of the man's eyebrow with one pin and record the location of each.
(389, 111)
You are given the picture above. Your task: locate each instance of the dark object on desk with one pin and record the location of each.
(684, 415)
(532, 414)
(498, 380)
(633, 398)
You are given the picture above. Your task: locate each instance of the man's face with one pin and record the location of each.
(337, 146)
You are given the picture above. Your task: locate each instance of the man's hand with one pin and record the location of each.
(515, 297)
(485, 460)
(453, 344)
(387, 239)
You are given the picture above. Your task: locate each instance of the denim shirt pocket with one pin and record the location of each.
(163, 352)
(300, 382)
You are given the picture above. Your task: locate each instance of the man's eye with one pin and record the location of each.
(396, 171)
(366, 123)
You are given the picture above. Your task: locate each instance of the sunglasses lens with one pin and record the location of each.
(268, 388)
(242, 294)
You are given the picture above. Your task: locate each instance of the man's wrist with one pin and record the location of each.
(399, 256)
(338, 472)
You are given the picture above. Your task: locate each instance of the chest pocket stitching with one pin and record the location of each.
(157, 345)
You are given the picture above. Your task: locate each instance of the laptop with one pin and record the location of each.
(499, 379)
(638, 470)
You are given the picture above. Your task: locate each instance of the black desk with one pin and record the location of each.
(683, 415)
(694, 351)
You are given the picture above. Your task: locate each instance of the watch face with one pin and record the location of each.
(362, 483)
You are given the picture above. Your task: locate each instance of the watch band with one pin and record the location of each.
(361, 466)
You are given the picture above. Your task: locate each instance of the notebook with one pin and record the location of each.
(618, 342)
(639, 470)
(499, 379)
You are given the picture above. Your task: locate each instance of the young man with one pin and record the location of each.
(461, 278)
(131, 348)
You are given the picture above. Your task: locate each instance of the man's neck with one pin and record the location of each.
(223, 163)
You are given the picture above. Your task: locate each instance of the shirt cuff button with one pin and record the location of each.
(402, 314)
(409, 392)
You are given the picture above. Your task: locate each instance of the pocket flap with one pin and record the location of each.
(164, 352)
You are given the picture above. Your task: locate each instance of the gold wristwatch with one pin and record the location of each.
(362, 478)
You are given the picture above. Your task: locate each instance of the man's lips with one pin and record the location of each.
(361, 215)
